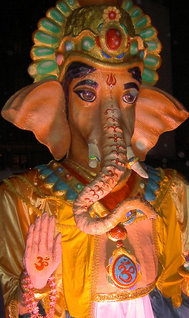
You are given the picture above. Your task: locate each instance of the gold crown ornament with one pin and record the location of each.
(98, 33)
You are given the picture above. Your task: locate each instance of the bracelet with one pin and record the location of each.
(131, 162)
(29, 297)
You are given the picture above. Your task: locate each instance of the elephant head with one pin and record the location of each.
(96, 109)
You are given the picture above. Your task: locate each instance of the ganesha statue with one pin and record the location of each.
(96, 232)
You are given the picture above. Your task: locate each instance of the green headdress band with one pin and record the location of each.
(99, 33)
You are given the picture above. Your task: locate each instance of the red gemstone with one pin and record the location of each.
(113, 39)
(118, 233)
(112, 15)
(68, 176)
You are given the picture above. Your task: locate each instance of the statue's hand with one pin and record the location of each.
(43, 252)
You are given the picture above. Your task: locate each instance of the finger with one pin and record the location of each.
(57, 249)
(43, 233)
(36, 233)
(51, 231)
(28, 247)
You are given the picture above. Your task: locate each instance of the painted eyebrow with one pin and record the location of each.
(87, 82)
(136, 73)
(131, 85)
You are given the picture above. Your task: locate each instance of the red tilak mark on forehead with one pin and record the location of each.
(111, 80)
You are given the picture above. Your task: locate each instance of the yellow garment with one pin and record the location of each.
(22, 199)
(168, 239)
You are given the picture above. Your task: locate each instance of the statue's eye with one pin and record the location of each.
(86, 95)
(130, 96)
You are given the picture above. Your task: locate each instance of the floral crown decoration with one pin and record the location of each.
(102, 34)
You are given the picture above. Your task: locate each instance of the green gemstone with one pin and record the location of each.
(63, 7)
(127, 5)
(142, 22)
(45, 38)
(50, 26)
(151, 60)
(142, 54)
(43, 51)
(136, 13)
(148, 76)
(45, 67)
(87, 43)
(79, 186)
(134, 48)
(71, 2)
(147, 33)
(152, 45)
(56, 15)
(68, 46)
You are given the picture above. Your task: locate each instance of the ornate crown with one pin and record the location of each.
(102, 34)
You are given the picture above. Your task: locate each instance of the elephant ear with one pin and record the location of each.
(156, 113)
(40, 108)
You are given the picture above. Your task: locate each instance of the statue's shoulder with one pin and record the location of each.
(58, 180)
(18, 182)
(165, 188)
(160, 182)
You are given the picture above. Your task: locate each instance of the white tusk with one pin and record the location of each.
(137, 167)
(94, 155)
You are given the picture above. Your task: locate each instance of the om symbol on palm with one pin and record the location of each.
(41, 263)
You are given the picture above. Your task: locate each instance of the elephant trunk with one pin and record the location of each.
(114, 159)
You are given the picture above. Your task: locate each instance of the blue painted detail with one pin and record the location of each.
(152, 170)
(52, 178)
(60, 186)
(155, 176)
(41, 167)
(60, 169)
(131, 220)
(120, 56)
(153, 184)
(142, 55)
(128, 214)
(139, 211)
(71, 195)
(46, 172)
(105, 55)
(149, 195)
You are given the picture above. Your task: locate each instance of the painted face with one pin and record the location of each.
(92, 92)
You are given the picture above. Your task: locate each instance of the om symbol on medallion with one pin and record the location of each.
(124, 272)
(41, 263)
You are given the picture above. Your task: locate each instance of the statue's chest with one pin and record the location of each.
(136, 270)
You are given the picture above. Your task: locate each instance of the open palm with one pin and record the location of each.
(43, 250)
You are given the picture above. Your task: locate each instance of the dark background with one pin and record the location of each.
(18, 19)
